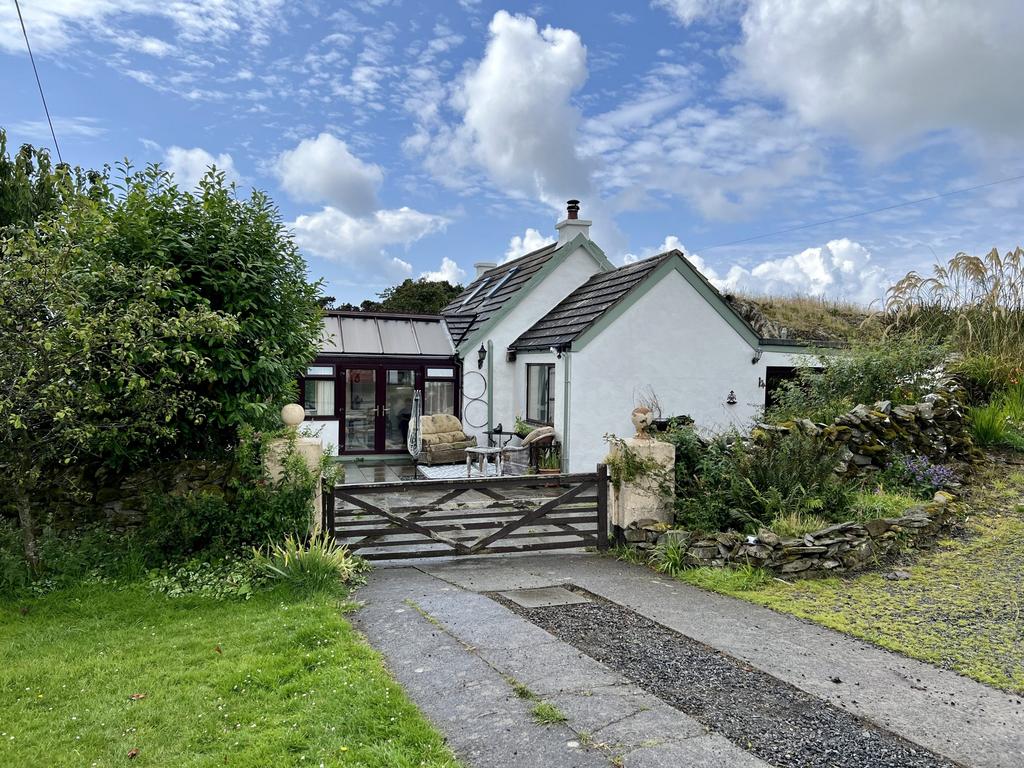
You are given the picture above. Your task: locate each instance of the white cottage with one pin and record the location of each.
(561, 337)
(557, 337)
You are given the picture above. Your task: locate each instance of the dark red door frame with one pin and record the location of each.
(380, 364)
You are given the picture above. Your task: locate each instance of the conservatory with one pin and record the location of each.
(373, 372)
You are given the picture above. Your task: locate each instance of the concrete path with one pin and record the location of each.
(455, 650)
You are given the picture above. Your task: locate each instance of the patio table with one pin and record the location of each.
(483, 456)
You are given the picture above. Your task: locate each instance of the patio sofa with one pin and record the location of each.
(444, 440)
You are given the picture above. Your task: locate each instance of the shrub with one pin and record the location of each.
(139, 321)
(900, 369)
(748, 486)
(254, 509)
(318, 565)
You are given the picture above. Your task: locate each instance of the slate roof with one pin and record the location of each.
(486, 295)
(582, 308)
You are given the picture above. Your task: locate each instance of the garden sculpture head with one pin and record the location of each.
(642, 419)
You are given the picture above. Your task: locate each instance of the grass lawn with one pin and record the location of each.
(962, 607)
(88, 676)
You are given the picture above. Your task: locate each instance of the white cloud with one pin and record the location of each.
(890, 72)
(190, 165)
(38, 131)
(361, 242)
(688, 11)
(517, 122)
(449, 272)
(522, 244)
(57, 24)
(323, 170)
(838, 269)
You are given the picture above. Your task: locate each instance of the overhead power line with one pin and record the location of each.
(39, 82)
(786, 231)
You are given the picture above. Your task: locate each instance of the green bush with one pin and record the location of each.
(736, 485)
(254, 509)
(317, 565)
(896, 369)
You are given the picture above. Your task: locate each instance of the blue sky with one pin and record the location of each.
(407, 139)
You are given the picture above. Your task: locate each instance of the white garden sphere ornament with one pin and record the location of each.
(292, 415)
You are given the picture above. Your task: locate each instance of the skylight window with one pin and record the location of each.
(476, 291)
(501, 282)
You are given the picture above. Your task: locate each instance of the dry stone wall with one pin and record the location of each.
(868, 436)
(835, 549)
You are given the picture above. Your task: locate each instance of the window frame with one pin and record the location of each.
(550, 398)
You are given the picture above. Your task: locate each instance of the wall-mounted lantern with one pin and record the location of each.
(756, 358)
(731, 399)
(481, 355)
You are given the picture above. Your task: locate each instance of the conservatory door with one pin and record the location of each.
(361, 410)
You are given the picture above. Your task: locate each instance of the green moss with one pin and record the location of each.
(960, 609)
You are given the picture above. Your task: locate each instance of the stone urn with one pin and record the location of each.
(642, 419)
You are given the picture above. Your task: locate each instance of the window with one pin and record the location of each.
(320, 370)
(439, 397)
(319, 397)
(540, 393)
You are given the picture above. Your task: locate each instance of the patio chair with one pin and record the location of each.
(518, 458)
(444, 440)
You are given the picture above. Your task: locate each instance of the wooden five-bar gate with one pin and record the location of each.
(471, 516)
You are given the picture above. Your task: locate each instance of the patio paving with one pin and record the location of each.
(455, 650)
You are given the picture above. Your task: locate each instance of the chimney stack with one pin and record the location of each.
(483, 266)
(572, 225)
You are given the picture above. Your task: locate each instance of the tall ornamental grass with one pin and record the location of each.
(976, 304)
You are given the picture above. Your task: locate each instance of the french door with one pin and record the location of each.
(377, 407)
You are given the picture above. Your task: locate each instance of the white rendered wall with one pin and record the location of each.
(327, 431)
(675, 343)
(508, 397)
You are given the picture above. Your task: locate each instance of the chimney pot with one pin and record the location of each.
(573, 209)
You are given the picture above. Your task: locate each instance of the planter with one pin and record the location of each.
(549, 471)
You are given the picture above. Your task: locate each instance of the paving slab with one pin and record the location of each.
(457, 653)
(951, 715)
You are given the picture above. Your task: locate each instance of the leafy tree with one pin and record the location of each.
(421, 297)
(425, 297)
(138, 321)
(29, 186)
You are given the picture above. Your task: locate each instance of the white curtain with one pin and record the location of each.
(324, 397)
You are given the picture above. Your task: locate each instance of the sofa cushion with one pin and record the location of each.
(443, 438)
(440, 423)
(539, 435)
